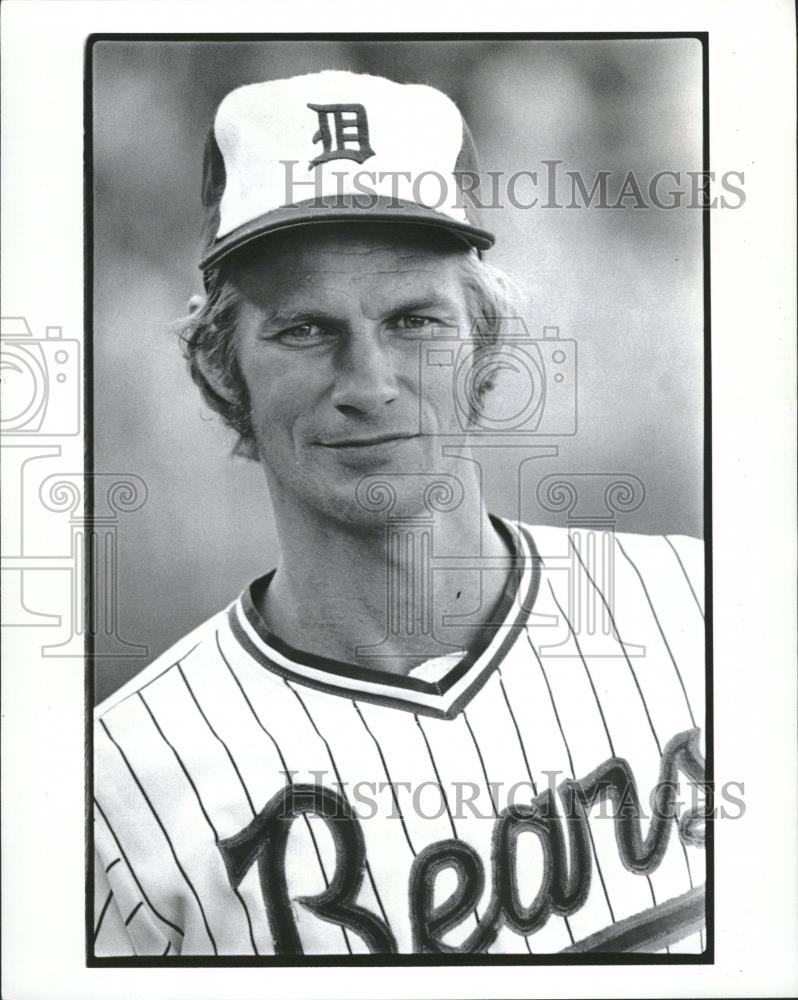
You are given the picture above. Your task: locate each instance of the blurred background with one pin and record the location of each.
(625, 284)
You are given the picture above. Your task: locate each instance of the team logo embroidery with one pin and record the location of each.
(339, 125)
(567, 870)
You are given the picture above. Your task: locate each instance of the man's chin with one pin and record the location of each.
(365, 491)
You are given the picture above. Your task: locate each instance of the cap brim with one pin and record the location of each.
(344, 209)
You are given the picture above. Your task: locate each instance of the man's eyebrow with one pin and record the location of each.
(416, 304)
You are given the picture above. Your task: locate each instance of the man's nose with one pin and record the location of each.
(366, 377)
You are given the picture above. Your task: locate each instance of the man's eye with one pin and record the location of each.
(305, 334)
(411, 322)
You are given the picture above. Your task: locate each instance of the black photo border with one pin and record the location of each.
(408, 960)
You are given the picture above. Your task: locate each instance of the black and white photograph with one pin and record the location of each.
(417, 330)
(398, 555)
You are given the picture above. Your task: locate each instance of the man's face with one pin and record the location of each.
(329, 344)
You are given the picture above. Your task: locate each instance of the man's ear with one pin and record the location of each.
(195, 303)
(214, 378)
(210, 373)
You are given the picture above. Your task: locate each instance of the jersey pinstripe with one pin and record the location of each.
(190, 752)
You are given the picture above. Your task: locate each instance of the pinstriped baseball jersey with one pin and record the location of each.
(537, 793)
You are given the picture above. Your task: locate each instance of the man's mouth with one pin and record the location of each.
(368, 442)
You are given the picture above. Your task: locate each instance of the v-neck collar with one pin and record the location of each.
(445, 697)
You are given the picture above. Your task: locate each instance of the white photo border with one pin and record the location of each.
(752, 77)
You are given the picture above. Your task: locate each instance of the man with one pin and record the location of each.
(344, 761)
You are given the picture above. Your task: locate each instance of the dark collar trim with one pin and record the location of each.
(354, 693)
(397, 687)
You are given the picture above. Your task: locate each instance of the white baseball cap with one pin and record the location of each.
(336, 146)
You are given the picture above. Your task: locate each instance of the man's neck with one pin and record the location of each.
(371, 596)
